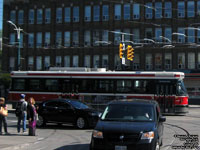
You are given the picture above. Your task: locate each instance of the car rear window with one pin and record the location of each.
(128, 112)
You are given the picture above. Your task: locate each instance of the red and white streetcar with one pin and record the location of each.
(98, 87)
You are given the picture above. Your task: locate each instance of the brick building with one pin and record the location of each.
(85, 33)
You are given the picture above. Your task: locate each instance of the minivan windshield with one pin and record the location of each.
(128, 112)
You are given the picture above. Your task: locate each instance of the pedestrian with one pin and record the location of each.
(3, 114)
(21, 113)
(32, 116)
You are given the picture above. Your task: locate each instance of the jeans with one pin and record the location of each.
(22, 118)
(4, 122)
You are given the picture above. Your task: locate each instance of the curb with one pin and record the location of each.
(18, 147)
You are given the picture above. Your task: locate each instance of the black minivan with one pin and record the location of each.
(128, 125)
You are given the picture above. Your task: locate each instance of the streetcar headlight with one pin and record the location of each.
(97, 134)
(147, 135)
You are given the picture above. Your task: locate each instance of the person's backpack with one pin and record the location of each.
(19, 109)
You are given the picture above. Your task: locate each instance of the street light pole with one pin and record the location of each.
(18, 37)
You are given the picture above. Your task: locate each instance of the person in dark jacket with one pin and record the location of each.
(32, 116)
(3, 119)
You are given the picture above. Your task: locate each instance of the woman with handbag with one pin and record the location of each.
(3, 114)
(32, 116)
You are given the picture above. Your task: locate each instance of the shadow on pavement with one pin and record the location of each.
(74, 147)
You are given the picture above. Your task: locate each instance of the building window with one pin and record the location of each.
(96, 61)
(105, 13)
(158, 34)
(31, 40)
(105, 37)
(87, 13)
(136, 62)
(47, 15)
(168, 10)
(198, 8)
(58, 39)
(67, 14)
(31, 16)
(127, 12)
(21, 40)
(59, 15)
(76, 14)
(158, 61)
(96, 11)
(67, 39)
(136, 11)
(117, 62)
(58, 61)
(117, 12)
(12, 64)
(191, 60)
(168, 61)
(136, 35)
(39, 63)
(168, 35)
(181, 60)
(20, 17)
(67, 61)
(158, 10)
(39, 16)
(181, 35)
(127, 36)
(181, 9)
(96, 37)
(75, 61)
(39, 40)
(46, 62)
(87, 61)
(105, 61)
(47, 40)
(117, 37)
(12, 39)
(191, 35)
(30, 63)
(198, 59)
(87, 38)
(148, 34)
(75, 42)
(148, 62)
(190, 9)
(13, 16)
(148, 11)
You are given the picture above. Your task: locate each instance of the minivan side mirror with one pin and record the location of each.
(162, 119)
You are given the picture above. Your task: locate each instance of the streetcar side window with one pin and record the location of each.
(18, 84)
(124, 86)
(35, 85)
(52, 85)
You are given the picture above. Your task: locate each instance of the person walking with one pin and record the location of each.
(3, 114)
(32, 116)
(21, 112)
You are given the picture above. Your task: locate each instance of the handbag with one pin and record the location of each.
(3, 112)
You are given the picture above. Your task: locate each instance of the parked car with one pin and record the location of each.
(129, 124)
(67, 111)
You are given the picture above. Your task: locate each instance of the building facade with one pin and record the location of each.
(165, 35)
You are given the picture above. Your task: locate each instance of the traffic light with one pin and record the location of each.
(130, 53)
(121, 51)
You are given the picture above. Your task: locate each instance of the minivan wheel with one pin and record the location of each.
(157, 146)
(81, 123)
(40, 121)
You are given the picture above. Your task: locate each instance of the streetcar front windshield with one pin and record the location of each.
(181, 90)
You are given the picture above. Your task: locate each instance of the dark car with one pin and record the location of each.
(128, 125)
(67, 111)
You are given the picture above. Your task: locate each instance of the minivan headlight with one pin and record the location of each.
(97, 134)
(147, 135)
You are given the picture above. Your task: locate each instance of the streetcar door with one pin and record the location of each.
(67, 87)
(164, 92)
